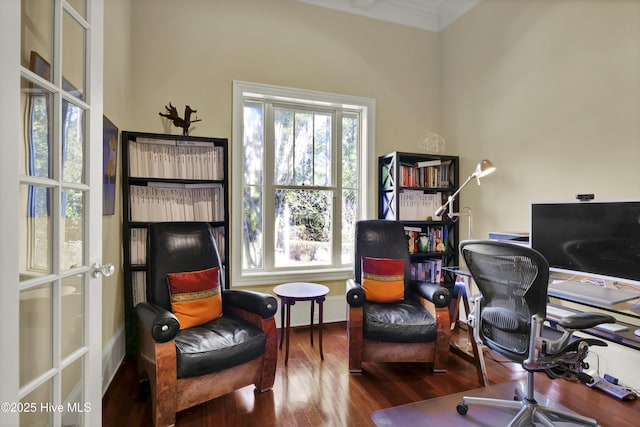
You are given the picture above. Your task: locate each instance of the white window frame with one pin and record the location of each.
(366, 175)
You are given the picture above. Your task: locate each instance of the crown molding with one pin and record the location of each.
(431, 15)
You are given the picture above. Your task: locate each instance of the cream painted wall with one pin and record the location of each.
(550, 92)
(189, 53)
(554, 83)
(118, 84)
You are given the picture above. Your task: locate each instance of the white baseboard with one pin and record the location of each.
(334, 310)
(112, 356)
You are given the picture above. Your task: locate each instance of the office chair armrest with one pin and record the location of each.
(355, 293)
(438, 295)
(255, 302)
(161, 324)
(584, 320)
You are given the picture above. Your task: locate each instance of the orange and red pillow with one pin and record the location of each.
(383, 279)
(195, 296)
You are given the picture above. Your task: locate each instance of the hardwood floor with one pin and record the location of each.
(311, 392)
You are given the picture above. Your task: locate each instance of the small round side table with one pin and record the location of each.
(289, 294)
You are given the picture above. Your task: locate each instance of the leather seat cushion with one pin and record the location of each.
(406, 321)
(217, 345)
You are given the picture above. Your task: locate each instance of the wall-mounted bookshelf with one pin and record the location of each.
(169, 178)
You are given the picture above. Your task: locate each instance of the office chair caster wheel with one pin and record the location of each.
(462, 408)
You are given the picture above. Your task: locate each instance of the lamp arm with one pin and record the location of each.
(442, 209)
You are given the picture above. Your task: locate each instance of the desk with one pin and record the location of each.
(289, 294)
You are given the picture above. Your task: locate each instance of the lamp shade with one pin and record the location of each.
(483, 168)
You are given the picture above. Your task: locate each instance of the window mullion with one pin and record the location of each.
(268, 207)
(336, 180)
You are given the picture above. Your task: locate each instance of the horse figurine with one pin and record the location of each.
(184, 123)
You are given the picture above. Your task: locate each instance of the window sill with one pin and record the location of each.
(272, 278)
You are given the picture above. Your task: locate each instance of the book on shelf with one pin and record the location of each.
(427, 163)
(138, 245)
(411, 234)
(426, 174)
(138, 287)
(427, 239)
(428, 271)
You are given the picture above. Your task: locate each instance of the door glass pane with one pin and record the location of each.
(72, 142)
(79, 6)
(36, 232)
(72, 310)
(37, 32)
(36, 154)
(303, 227)
(72, 389)
(36, 348)
(37, 400)
(73, 72)
(72, 223)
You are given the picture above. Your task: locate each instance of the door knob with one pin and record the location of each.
(103, 270)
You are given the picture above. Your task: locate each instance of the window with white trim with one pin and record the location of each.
(302, 167)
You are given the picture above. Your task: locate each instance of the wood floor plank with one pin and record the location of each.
(311, 392)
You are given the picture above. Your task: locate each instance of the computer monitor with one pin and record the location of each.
(599, 239)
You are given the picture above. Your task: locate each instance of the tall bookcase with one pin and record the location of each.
(411, 187)
(169, 178)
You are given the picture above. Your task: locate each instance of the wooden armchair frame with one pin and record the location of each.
(365, 350)
(171, 394)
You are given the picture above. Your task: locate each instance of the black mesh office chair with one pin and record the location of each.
(507, 317)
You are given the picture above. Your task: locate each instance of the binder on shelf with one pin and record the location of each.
(159, 158)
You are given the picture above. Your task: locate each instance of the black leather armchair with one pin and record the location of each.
(189, 366)
(416, 329)
(508, 318)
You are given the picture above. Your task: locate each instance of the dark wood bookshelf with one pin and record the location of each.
(171, 172)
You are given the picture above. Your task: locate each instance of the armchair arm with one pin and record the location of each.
(355, 293)
(438, 295)
(255, 302)
(161, 324)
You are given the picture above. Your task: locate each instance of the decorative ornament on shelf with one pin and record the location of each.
(184, 123)
(432, 143)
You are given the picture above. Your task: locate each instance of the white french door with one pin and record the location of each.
(51, 212)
